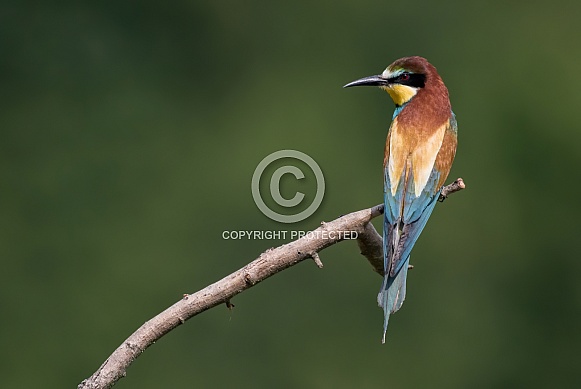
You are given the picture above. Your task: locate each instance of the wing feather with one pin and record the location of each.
(410, 196)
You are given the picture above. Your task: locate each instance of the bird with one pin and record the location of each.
(419, 151)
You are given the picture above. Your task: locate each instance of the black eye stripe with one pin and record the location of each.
(415, 80)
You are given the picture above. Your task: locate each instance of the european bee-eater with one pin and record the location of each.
(419, 151)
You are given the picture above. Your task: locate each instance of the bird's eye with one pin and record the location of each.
(404, 77)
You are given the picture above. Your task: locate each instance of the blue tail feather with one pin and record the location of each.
(392, 294)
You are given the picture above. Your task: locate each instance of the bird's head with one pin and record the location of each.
(403, 79)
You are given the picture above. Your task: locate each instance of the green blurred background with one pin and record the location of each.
(130, 132)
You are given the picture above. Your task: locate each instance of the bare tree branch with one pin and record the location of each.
(354, 225)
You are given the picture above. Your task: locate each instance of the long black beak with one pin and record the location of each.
(368, 81)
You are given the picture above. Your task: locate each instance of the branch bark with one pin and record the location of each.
(354, 225)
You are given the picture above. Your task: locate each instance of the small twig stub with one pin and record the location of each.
(317, 260)
(452, 188)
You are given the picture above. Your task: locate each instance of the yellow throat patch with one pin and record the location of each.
(400, 94)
